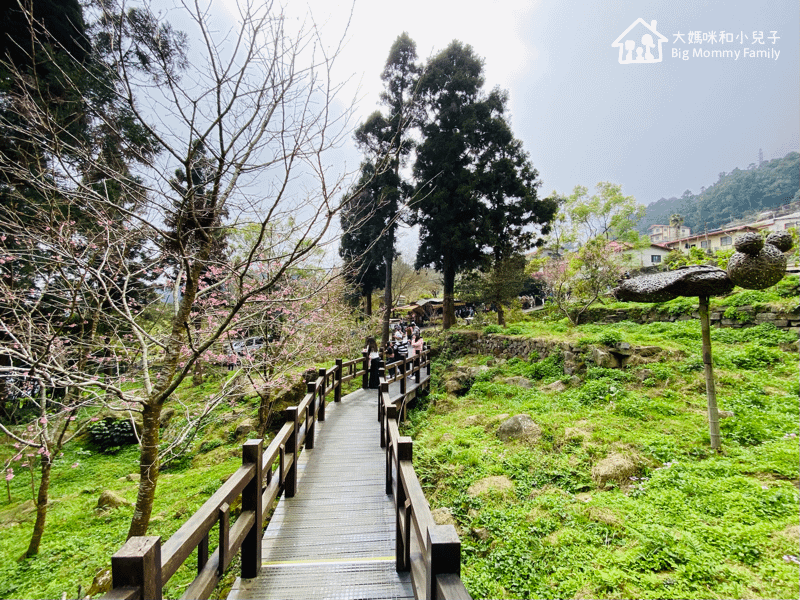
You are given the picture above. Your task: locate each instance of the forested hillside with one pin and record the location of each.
(734, 195)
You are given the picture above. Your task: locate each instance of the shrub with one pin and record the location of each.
(110, 434)
(765, 334)
(602, 372)
(552, 366)
(598, 391)
(489, 329)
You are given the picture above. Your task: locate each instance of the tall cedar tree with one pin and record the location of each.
(362, 245)
(477, 186)
(388, 136)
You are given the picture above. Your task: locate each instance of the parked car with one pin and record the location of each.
(248, 346)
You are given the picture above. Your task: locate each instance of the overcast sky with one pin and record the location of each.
(655, 128)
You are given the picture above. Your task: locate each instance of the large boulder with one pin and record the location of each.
(519, 427)
(109, 500)
(495, 483)
(616, 467)
(518, 381)
(459, 380)
(246, 427)
(443, 516)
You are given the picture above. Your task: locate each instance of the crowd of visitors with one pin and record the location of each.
(405, 342)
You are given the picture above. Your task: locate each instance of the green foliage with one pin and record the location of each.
(689, 523)
(550, 367)
(110, 434)
(788, 286)
(490, 329)
(764, 334)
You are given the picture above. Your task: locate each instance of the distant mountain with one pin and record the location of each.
(734, 195)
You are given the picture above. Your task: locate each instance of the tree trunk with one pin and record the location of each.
(711, 391)
(387, 298)
(501, 316)
(148, 470)
(449, 283)
(368, 303)
(41, 508)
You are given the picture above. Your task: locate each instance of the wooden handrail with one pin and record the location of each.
(143, 566)
(432, 553)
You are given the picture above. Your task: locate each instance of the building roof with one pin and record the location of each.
(713, 232)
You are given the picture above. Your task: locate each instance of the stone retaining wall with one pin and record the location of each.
(577, 357)
(744, 316)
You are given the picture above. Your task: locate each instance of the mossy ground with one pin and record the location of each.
(689, 523)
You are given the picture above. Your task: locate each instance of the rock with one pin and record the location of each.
(481, 533)
(133, 477)
(556, 386)
(643, 374)
(166, 416)
(109, 500)
(443, 516)
(648, 350)
(725, 414)
(604, 359)
(246, 427)
(519, 381)
(495, 483)
(575, 380)
(614, 467)
(623, 348)
(100, 584)
(472, 421)
(519, 427)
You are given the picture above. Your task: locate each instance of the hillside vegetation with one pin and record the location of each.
(613, 491)
(734, 195)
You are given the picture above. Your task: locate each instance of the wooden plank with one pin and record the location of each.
(122, 593)
(450, 587)
(183, 542)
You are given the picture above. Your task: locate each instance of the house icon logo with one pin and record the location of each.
(638, 42)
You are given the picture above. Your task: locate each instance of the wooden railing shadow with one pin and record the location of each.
(143, 566)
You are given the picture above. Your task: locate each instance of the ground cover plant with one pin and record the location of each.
(542, 518)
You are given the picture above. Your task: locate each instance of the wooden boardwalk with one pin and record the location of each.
(336, 537)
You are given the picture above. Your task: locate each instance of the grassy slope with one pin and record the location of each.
(689, 525)
(79, 540)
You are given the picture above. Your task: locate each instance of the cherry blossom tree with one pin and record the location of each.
(241, 120)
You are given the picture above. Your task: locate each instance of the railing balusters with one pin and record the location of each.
(224, 538)
(251, 501)
(138, 570)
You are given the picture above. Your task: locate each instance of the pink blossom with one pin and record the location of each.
(43, 420)
(9, 474)
(75, 465)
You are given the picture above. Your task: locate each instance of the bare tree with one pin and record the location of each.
(241, 123)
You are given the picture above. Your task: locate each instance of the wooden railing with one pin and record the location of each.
(143, 566)
(431, 552)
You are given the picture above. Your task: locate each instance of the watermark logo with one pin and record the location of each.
(640, 43)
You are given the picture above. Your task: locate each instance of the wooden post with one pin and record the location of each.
(251, 501)
(403, 508)
(202, 553)
(290, 483)
(224, 538)
(391, 413)
(443, 556)
(428, 358)
(381, 408)
(323, 373)
(365, 376)
(337, 390)
(403, 373)
(138, 564)
(708, 368)
(310, 415)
